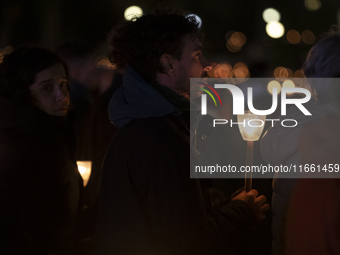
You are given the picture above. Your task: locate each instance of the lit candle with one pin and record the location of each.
(251, 127)
(84, 168)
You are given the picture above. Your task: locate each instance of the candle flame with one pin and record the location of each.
(84, 168)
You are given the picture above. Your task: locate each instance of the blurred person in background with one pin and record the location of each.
(313, 220)
(40, 186)
(94, 141)
(280, 145)
(84, 80)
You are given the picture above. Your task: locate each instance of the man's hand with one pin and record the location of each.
(256, 203)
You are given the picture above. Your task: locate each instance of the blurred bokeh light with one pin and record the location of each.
(238, 39)
(298, 74)
(293, 36)
(275, 29)
(241, 71)
(274, 84)
(270, 15)
(282, 72)
(224, 70)
(308, 37)
(288, 84)
(132, 12)
(312, 5)
(235, 41)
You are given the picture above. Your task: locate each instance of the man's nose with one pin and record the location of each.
(206, 65)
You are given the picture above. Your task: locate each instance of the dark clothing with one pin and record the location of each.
(93, 143)
(208, 138)
(81, 100)
(313, 218)
(279, 146)
(95, 139)
(148, 203)
(40, 186)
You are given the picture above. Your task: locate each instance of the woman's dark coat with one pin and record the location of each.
(40, 187)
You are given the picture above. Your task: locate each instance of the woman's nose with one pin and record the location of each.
(60, 95)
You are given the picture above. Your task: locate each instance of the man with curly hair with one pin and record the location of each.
(148, 202)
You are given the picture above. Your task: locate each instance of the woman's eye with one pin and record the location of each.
(47, 87)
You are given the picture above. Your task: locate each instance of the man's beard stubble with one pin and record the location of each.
(183, 87)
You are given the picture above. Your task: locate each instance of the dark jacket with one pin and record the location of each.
(40, 187)
(148, 203)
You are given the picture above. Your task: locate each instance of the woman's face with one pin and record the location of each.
(50, 92)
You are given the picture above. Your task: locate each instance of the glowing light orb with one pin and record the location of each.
(197, 18)
(241, 70)
(132, 12)
(238, 39)
(270, 15)
(275, 29)
(288, 84)
(298, 74)
(312, 5)
(293, 36)
(308, 37)
(274, 84)
(224, 70)
(233, 48)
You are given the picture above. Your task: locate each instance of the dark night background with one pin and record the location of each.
(51, 22)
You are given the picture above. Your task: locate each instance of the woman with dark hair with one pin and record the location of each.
(40, 186)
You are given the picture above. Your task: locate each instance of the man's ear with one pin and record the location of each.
(167, 62)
